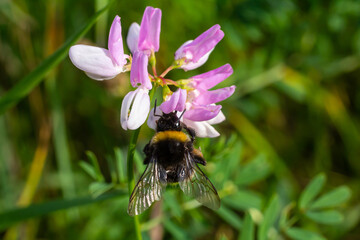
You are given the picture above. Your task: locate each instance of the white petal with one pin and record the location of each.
(125, 108)
(151, 122)
(97, 77)
(202, 129)
(192, 65)
(140, 109)
(132, 39)
(179, 53)
(218, 119)
(95, 61)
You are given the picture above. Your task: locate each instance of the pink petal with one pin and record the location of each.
(133, 37)
(210, 79)
(139, 73)
(175, 102)
(169, 105)
(202, 113)
(150, 28)
(209, 97)
(115, 42)
(204, 43)
(202, 129)
(182, 100)
(95, 61)
(218, 119)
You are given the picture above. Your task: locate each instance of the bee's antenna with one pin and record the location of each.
(155, 110)
(182, 114)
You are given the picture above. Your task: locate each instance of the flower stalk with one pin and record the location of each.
(130, 173)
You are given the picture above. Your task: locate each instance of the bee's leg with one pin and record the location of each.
(190, 131)
(199, 160)
(148, 153)
(198, 156)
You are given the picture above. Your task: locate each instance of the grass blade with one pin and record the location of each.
(270, 216)
(247, 232)
(11, 217)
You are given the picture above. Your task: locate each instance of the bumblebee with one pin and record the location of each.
(172, 158)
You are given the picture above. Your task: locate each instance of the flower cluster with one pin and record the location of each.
(192, 95)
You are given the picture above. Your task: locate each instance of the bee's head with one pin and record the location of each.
(168, 122)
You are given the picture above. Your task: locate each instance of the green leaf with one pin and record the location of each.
(13, 216)
(98, 188)
(270, 216)
(229, 216)
(25, 85)
(243, 200)
(247, 231)
(301, 234)
(312, 190)
(326, 217)
(259, 168)
(333, 198)
(88, 168)
(95, 165)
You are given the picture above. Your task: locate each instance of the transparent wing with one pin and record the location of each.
(148, 189)
(195, 184)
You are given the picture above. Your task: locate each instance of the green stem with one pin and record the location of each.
(130, 167)
(130, 172)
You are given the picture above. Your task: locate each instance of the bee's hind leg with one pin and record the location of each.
(198, 157)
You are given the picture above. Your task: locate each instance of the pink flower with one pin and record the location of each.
(201, 111)
(100, 63)
(195, 53)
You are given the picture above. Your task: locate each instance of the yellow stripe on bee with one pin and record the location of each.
(170, 135)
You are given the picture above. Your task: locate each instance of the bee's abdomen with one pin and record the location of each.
(170, 152)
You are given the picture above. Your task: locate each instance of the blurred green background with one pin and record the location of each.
(295, 115)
